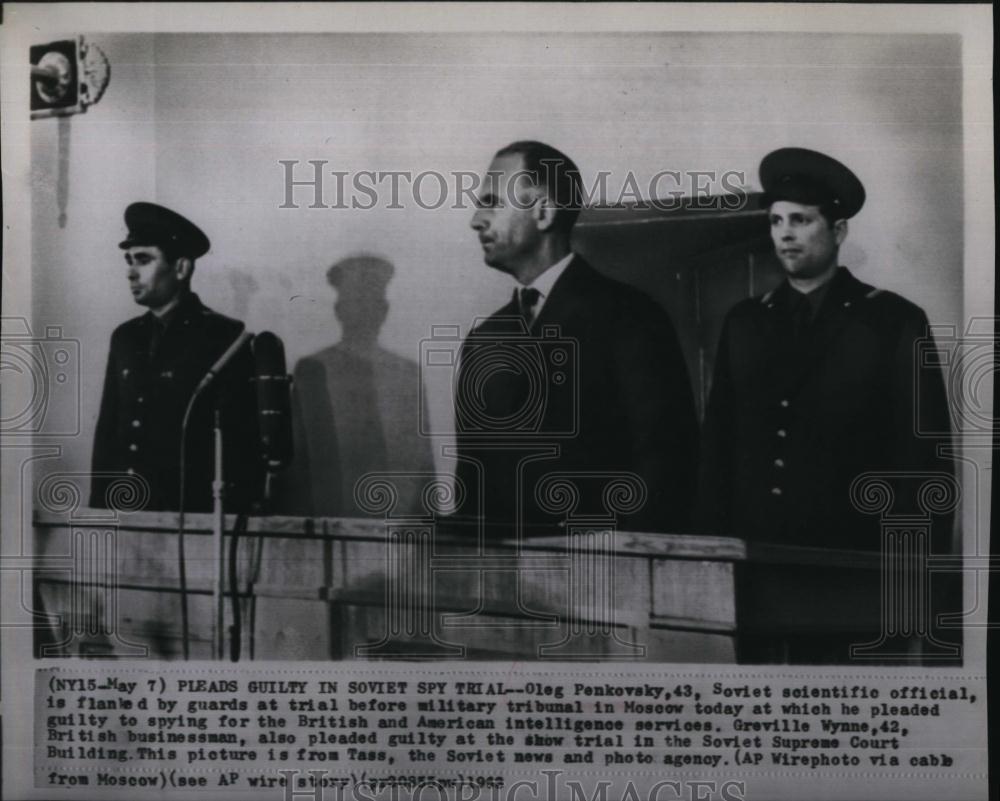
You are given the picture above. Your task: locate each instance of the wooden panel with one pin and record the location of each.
(494, 637)
(697, 259)
(694, 594)
(290, 628)
(786, 598)
(670, 645)
(327, 586)
(93, 622)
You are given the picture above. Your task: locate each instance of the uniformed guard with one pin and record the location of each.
(815, 382)
(155, 362)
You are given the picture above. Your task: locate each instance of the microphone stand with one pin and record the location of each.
(256, 554)
(218, 530)
(217, 494)
(268, 342)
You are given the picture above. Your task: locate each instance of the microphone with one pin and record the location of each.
(222, 361)
(274, 406)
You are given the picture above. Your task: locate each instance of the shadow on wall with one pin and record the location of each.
(355, 406)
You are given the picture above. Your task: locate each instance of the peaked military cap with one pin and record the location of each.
(811, 178)
(150, 224)
(364, 272)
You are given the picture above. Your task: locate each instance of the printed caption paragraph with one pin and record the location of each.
(198, 729)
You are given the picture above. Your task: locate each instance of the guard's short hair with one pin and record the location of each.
(556, 173)
(831, 213)
(172, 253)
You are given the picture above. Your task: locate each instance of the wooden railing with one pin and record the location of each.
(335, 588)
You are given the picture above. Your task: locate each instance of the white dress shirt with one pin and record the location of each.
(545, 282)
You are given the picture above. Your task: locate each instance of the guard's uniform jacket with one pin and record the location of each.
(150, 378)
(793, 420)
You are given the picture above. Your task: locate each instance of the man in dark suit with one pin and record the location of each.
(816, 382)
(577, 375)
(155, 363)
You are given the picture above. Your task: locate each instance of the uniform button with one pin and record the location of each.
(140, 399)
(784, 403)
(779, 462)
(133, 447)
(136, 424)
(782, 433)
(776, 490)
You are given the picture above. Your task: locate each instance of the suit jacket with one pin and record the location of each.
(598, 385)
(792, 421)
(146, 392)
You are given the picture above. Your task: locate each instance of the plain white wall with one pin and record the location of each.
(77, 274)
(200, 122)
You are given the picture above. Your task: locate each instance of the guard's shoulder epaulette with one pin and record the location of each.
(131, 326)
(218, 317)
(766, 297)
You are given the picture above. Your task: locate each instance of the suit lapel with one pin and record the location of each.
(507, 389)
(486, 389)
(565, 295)
(505, 320)
(509, 312)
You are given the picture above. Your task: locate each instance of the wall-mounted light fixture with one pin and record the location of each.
(66, 77)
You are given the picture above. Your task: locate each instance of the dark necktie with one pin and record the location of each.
(527, 299)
